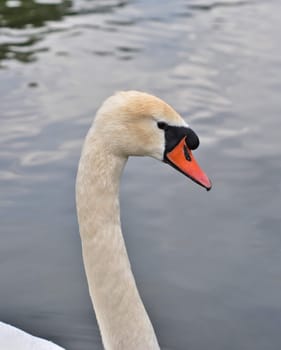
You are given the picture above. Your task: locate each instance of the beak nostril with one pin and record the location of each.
(186, 153)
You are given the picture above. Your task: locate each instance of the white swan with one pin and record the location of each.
(128, 123)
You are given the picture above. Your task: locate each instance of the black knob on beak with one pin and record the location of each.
(192, 140)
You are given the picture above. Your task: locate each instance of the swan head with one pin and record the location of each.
(133, 123)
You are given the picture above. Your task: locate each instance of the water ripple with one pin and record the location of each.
(203, 6)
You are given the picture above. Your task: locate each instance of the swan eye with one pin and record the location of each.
(162, 125)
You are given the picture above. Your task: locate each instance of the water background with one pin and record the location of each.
(208, 265)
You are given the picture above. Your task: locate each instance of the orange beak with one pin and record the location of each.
(182, 159)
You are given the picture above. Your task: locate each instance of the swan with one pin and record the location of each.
(129, 123)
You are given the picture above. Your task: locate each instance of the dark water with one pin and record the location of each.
(208, 265)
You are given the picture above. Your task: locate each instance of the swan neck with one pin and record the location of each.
(122, 318)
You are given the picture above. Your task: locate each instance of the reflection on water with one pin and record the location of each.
(30, 13)
(213, 5)
(26, 15)
(32, 16)
(208, 266)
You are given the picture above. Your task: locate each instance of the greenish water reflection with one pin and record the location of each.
(27, 14)
(20, 51)
(31, 13)
(21, 23)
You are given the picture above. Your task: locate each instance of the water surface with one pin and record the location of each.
(208, 265)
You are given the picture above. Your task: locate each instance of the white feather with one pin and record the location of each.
(12, 338)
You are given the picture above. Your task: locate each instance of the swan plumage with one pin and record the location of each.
(12, 338)
(127, 124)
